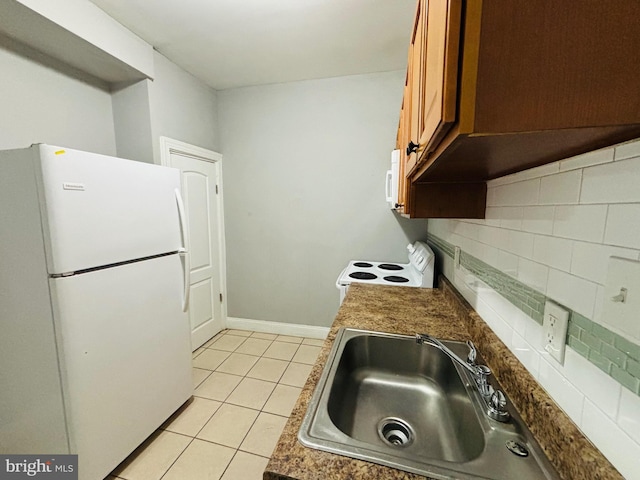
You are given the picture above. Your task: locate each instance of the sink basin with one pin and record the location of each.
(387, 377)
(385, 399)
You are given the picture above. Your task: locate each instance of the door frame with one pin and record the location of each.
(169, 146)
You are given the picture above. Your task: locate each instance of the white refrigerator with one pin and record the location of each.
(95, 349)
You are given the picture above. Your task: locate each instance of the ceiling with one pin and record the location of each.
(234, 43)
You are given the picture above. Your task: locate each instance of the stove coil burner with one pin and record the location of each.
(362, 265)
(396, 279)
(363, 276)
(390, 266)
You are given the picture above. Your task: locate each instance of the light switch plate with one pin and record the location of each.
(622, 315)
(554, 325)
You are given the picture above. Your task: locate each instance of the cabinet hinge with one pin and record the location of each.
(220, 297)
(216, 189)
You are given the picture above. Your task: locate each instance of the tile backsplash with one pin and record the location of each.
(549, 233)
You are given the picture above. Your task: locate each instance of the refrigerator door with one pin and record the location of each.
(100, 210)
(125, 357)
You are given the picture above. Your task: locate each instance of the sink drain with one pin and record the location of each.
(395, 432)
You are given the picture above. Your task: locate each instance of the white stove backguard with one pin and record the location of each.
(419, 271)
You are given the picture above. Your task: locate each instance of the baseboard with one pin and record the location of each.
(265, 326)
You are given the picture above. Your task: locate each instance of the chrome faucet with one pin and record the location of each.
(494, 399)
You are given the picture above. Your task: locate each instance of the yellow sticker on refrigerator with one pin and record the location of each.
(60, 152)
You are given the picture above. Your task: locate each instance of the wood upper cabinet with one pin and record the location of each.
(499, 87)
(431, 88)
(414, 89)
(440, 71)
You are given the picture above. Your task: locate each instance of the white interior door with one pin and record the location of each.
(200, 180)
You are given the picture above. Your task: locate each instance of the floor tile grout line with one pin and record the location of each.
(176, 459)
(255, 378)
(223, 402)
(228, 464)
(236, 449)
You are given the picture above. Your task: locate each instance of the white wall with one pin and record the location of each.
(304, 167)
(175, 105)
(42, 104)
(132, 121)
(182, 107)
(554, 228)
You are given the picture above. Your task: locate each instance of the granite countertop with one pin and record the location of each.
(443, 313)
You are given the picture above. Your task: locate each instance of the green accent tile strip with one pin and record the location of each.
(630, 349)
(611, 353)
(633, 367)
(578, 346)
(626, 379)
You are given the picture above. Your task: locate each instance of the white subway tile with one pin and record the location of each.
(533, 274)
(520, 322)
(591, 260)
(467, 284)
(503, 307)
(495, 321)
(623, 225)
(611, 440)
(616, 182)
(552, 251)
(507, 263)
(448, 267)
(534, 335)
(566, 395)
(511, 217)
(596, 157)
(520, 243)
(488, 254)
(517, 194)
(487, 234)
(477, 221)
(536, 172)
(581, 222)
(438, 226)
(455, 239)
(501, 238)
(574, 292)
(629, 414)
(466, 229)
(537, 219)
(492, 216)
(599, 306)
(628, 150)
(563, 188)
(492, 199)
(597, 386)
(526, 353)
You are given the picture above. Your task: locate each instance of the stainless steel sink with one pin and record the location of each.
(385, 399)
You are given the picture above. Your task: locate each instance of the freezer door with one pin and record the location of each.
(100, 210)
(125, 354)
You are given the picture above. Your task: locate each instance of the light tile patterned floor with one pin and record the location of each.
(246, 384)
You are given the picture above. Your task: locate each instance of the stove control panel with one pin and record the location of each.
(420, 255)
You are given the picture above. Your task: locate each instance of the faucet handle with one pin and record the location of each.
(481, 379)
(473, 353)
(498, 400)
(497, 406)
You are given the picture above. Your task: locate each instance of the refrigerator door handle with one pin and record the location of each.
(184, 251)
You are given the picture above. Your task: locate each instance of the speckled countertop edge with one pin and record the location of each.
(445, 314)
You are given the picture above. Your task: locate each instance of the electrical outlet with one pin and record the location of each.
(456, 257)
(554, 324)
